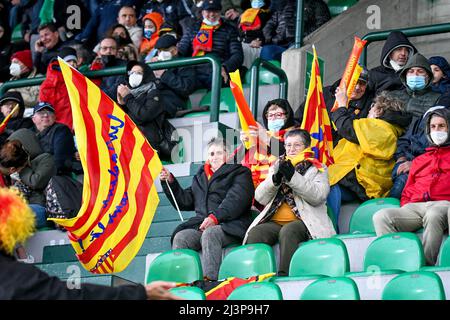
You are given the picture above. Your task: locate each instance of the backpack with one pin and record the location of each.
(64, 196)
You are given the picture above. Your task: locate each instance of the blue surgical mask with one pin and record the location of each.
(416, 82)
(210, 23)
(275, 125)
(257, 4)
(148, 33)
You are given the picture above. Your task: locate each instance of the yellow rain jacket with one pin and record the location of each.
(371, 159)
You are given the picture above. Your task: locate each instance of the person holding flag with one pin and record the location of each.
(16, 120)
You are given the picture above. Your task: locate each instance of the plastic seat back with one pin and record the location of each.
(189, 293)
(361, 220)
(338, 288)
(256, 291)
(227, 102)
(421, 285)
(320, 257)
(248, 260)
(179, 265)
(395, 251)
(444, 256)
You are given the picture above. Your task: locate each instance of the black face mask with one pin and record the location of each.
(108, 60)
(120, 41)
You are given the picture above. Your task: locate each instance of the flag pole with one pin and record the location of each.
(174, 200)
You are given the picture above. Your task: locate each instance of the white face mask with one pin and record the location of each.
(210, 23)
(439, 137)
(395, 65)
(164, 55)
(14, 69)
(135, 79)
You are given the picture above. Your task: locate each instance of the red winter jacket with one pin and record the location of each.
(429, 177)
(53, 90)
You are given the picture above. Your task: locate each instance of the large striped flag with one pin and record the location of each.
(315, 117)
(119, 196)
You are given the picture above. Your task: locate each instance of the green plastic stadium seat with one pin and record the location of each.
(189, 293)
(326, 257)
(361, 220)
(420, 285)
(338, 288)
(227, 102)
(265, 76)
(443, 263)
(338, 6)
(247, 261)
(256, 291)
(396, 251)
(179, 265)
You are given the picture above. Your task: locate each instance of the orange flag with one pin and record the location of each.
(119, 196)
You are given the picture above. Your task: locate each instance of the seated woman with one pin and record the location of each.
(221, 195)
(441, 74)
(363, 159)
(294, 195)
(30, 168)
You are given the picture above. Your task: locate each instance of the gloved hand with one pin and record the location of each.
(287, 169)
(277, 175)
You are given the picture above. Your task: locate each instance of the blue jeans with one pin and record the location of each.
(336, 197)
(399, 182)
(272, 52)
(41, 216)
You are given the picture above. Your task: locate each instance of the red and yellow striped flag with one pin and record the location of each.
(119, 196)
(315, 117)
(7, 118)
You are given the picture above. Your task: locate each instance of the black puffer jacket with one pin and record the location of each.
(21, 281)
(228, 195)
(384, 76)
(226, 46)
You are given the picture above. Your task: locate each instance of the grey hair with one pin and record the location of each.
(216, 141)
(303, 134)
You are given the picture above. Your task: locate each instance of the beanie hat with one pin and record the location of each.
(24, 57)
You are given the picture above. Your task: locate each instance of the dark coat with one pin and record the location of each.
(41, 60)
(226, 46)
(228, 195)
(180, 82)
(21, 281)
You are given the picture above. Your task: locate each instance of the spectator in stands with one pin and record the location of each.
(17, 121)
(266, 142)
(106, 58)
(180, 81)
(359, 101)
(103, 18)
(22, 281)
(149, 103)
(46, 48)
(441, 74)
(279, 31)
(30, 169)
(221, 195)
(22, 68)
(294, 195)
(251, 24)
(232, 10)
(395, 54)
(363, 159)
(54, 138)
(425, 199)
(5, 50)
(418, 96)
(126, 50)
(151, 23)
(53, 89)
(212, 36)
(127, 17)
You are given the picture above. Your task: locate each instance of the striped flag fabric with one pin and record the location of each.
(315, 117)
(119, 196)
(7, 118)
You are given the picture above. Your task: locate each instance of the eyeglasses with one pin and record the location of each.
(277, 115)
(134, 72)
(293, 145)
(42, 113)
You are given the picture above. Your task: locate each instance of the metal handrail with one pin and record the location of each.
(254, 82)
(409, 32)
(174, 63)
(299, 25)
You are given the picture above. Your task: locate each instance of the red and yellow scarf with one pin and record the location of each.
(203, 41)
(250, 20)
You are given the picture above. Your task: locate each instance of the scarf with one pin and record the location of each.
(208, 171)
(306, 155)
(203, 41)
(250, 20)
(138, 91)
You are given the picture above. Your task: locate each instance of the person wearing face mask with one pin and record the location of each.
(395, 54)
(251, 24)
(426, 198)
(149, 105)
(212, 35)
(221, 195)
(417, 96)
(151, 25)
(106, 58)
(363, 158)
(21, 67)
